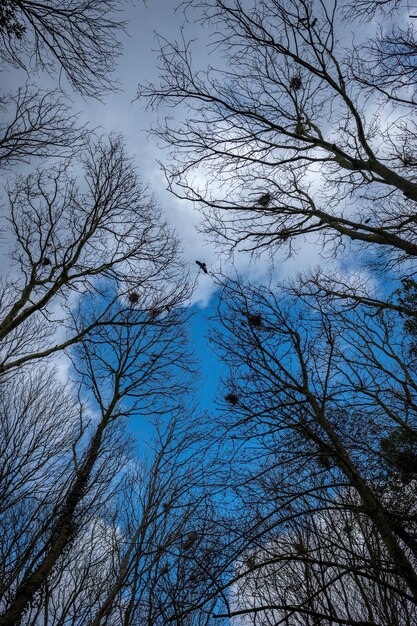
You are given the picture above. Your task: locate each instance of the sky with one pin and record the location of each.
(122, 113)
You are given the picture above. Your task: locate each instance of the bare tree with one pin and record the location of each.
(134, 366)
(40, 124)
(302, 131)
(83, 243)
(78, 38)
(168, 571)
(325, 567)
(115, 565)
(320, 426)
(96, 273)
(88, 537)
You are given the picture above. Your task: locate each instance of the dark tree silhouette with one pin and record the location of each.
(80, 38)
(37, 124)
(96, 235)
(303, 110)
(324, 431)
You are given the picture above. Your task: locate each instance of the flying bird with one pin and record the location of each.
(202, 266)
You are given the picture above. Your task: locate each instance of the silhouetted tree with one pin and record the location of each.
(79, 38)
(324, 430)
(37, 124)
(127, 368)
(333, 157)
(82, 242)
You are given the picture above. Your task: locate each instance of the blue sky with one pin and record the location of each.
(122, 112)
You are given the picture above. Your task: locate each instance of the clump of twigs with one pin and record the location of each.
(255, 320)
(407, 158)
(399, 450)
(296, 83)
(299, 547)
(232, 398)
(264, 200)
(8, 24)
(133, 297)
(250, 562)
(189, 541)
(299, 128)
(324, 460)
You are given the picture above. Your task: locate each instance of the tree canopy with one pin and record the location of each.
(292, 501)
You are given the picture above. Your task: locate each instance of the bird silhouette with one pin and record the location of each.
(202, 266)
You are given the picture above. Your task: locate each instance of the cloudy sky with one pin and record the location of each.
(123, 113)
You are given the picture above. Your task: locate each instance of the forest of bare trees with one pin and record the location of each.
(93, 322)
(293, 500)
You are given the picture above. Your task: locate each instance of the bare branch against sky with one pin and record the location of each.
(275, 481)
